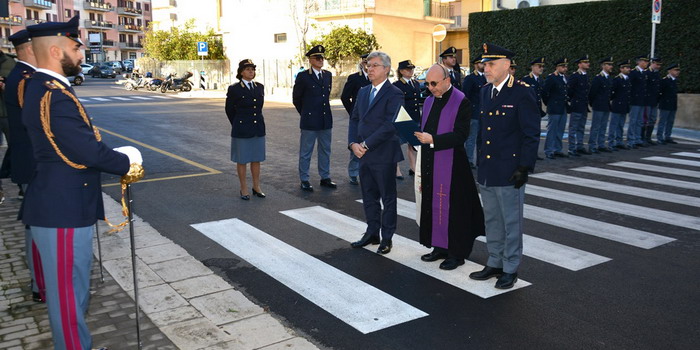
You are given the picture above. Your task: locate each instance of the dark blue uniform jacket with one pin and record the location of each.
(471, 86)
(668, 95)
(412, 97)
(599, 96)
(352, 86)
(620, 95)
(310, 97)
(579, 85)
(554, 94)
(244, 110)
(20, 147)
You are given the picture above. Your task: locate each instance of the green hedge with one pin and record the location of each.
(618, 28)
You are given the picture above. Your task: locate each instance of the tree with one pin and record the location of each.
(300, 12)
(181, 43)
(344, 43)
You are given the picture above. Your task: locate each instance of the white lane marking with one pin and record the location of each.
(550, 252)
(405, 251)
(666, 217)
(687, 154)
(162, 97)
(121, 98)
(624, 189)
(658, 169)
(142, 97)
(356, 303)
(639, 177)
(674, 161)
(84, 100)
(100, 99)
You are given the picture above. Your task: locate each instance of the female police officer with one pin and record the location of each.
(244, 102)
(412, 102)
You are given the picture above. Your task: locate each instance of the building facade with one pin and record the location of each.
(110, 29)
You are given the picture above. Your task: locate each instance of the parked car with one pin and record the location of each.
(117, 66)
(128, 65)
(77, 79)
(103, 70)
(86, 68)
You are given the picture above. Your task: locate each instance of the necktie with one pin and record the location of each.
(371, 95)
(452, 75)
(494, 93)
(250, 86)
(319, 76)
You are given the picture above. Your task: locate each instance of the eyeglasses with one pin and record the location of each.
(374, 65)
(435, 83)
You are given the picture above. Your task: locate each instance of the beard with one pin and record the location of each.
(69, 68)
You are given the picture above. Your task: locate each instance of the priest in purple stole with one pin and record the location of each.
(451, 213)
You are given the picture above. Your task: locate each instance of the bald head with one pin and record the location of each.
(58, 53)
(438, 80)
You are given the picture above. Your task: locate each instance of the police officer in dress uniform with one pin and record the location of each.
(578, 88)
(638, 81)
(510, 129)
(471, 86)
(652, 99)
(449, 60)
(310, 95)
(668, 104)
(64, 199)
(348, 97)
(413, 103)
(599, 99)
(554, 95)
(513, 67)
(534, 79)
(620, 96)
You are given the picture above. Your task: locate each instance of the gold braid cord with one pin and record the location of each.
(136, 173)
(20, 92)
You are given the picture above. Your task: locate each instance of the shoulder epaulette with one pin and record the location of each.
(511, 81)
(54, 85)
(523, 83)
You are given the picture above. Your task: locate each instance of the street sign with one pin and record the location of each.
(202, 48)
(656, 11)
(439, 33)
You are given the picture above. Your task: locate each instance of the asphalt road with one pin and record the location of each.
(605, 267)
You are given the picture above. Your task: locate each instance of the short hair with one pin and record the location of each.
(386, 60)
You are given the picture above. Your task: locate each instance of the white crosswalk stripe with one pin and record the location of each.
(687, 154)
(624, 189)
(162, 97)
(101, 99)
(637, 211)
(121, 98)
(674, 161)
(405, 251)
(639, 177)
(83, 100)
(658, 169)
(142, 97)
(356, 303)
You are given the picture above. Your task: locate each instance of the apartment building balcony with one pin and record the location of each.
(90, 24)
(99, 6)
(6, 43)
(130, 28)
(12, 20)
(128, 45)
(129, 11)
(459, 24)
(340, 8)
(38, 4)
(31, 22)
(436, 10)
(15, 0)
(105, 43)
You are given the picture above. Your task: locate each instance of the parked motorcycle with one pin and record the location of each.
(136, 81)
(154, 84)
(182, 84)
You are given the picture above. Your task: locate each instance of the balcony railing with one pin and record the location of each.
(457, 22)
(131, 28)
(98, 6)
(105, 43)
(437, 9)
(5, 42)
(129, 11)
(98, 24)
(38, 4)
(330, 7)
(31, 22)
(12, 20)
(130, 45)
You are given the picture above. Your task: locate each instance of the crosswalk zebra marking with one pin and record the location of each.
(687, 154)
(121, 98)
(673, 161)
(405, 251)
(100, 99)
(651, 214)
(658, 169)
(360, 305)
(550, 252)
(639, 177)
(624, 189)
(142, 97)
(162, 97)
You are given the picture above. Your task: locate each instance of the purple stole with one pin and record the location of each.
(442, 167)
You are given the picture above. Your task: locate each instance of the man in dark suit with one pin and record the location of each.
(652, 99)
(510, 135)
(620, 95)
(668, 104)
(372, 138)
(310, 95)
(638, 82)
(470, 87)
(348, 97)
(554, 95)
(449, 60)
(64, 199)
(599, 99)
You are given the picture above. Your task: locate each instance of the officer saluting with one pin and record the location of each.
(64, 199)
(449, 60)
(310, 95)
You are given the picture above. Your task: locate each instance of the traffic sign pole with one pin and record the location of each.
(439, 34)
(655, 19)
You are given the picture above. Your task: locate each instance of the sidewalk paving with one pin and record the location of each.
(184, 305)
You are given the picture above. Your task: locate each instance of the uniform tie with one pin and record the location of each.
(371, 95)
(494, 93)
(250, 86)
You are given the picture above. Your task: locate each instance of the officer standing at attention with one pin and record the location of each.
(534, 79)
(554, 95)
(64, 199)
(513, 67)
(579, 85)
(310, 95)
(668, 104)
(449, 60)
(510, 134)
(638, 81)
(599, 99)
(652, 99)
(348, 97)
(471, 86)
(620, 95)
(412, 103)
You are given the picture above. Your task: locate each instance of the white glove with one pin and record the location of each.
(132, 152)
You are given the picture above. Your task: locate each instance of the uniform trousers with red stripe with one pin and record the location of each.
(33, 259)
(66, 259)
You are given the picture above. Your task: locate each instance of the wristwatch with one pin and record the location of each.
(364, 145)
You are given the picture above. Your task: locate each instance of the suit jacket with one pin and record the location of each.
(373, 124)
(352, 86)
(244, 110)
(510, 132)
(554, 94)
(668, 94)
(61, 195)
(311, 99)
(578, 87)
(620, 95)
(21, 161)
(470, 87)
(412, 97)
(536, 84)
(638, 82)
(653, 87)
(456, 78)
(599, 94)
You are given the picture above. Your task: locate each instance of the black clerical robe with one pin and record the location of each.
(466, 216)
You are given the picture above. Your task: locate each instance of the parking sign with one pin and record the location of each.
(202, 48)
(656, 11)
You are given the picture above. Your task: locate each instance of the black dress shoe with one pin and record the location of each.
(451, 263)
(594, 151)
(328, 183)
(433, 256)
(652, 142)
(366, 240)
(574, 154)
(258, 194)
(244, 197)
(353, 180)
(384, 247)
(306, 186)
(550, 156)
(561, 154)
(583, 151)
(671, 142)
(604, 149)
(486, 273)
(36, 297)
(411, 172)
(539, 158)
(507, 280)
(399, 177)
